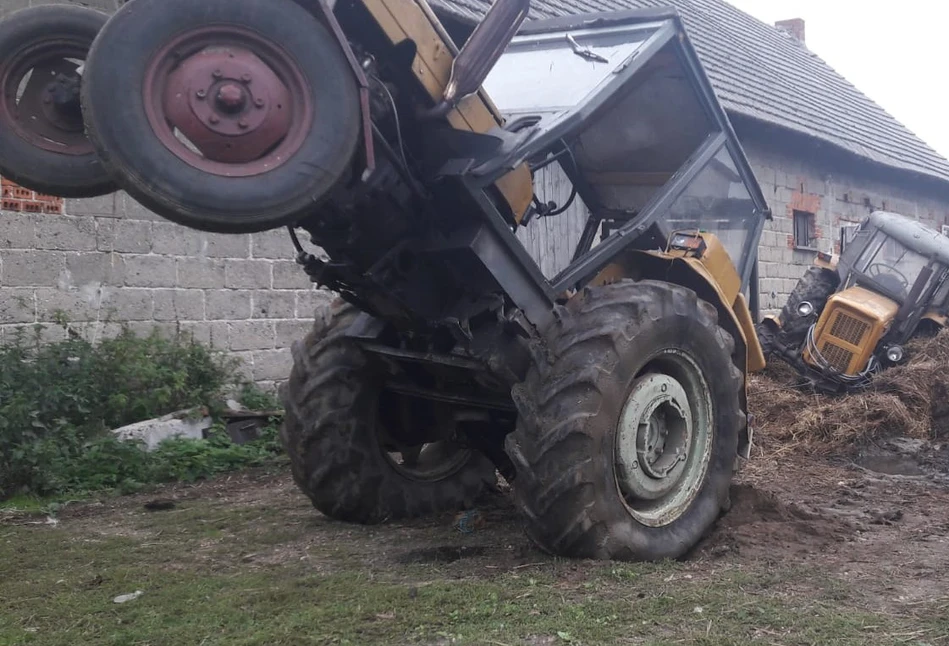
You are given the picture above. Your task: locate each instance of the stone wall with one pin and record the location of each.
(835, 197)
(106, 261)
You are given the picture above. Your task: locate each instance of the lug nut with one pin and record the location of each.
(242, 123)
(201, 94)
(259, 103)
(246, 78)
(213, 118)
(217, 74)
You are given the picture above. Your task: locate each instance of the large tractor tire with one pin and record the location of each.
(815, 287)
(628, 431)
(340, 432)
(43, 145)
(231, 116)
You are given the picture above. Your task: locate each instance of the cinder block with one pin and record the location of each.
(150, 271)
(172, 239)
(17, 305)
(126, 236)
(178, 304)
(250, 335)
(103, 205)
(273, 304)
(94, 268)
(200, 273)
(126, 304)
(31, 268)
(16, 231)
(75, 304)
(225, 245)
(290, 331)
(290, 275)
(308, 301)
(64, 232)
(228, 304)
(272, 365)
(248, 274)
(274, 244)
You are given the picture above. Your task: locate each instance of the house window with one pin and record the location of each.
(805, 236)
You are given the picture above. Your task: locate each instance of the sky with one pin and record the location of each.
(894, 52)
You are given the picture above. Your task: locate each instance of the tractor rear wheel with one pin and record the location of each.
(351, 443)
(627, 435)
(231, 116)
(43, 146)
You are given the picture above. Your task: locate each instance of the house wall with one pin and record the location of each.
(836, 196)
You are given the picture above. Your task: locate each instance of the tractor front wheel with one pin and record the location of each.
(627, 435)
(363, 454)
(231, 116)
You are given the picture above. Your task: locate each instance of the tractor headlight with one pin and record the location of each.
(894, 354)
(805, 309)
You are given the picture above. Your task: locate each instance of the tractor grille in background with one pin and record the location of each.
(849, 329)
(839, 358)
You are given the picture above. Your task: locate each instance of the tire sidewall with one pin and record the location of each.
(170, 186)
(701, 345)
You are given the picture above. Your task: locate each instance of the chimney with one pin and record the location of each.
(794, 26)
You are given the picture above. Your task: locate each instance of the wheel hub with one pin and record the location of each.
(39, 99)
(228, 103)
(654, 436)
(663, 439)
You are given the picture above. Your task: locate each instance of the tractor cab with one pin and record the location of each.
(850, 317)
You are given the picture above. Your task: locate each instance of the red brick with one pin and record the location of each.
(8, 204)
(53, 207)
(17, 192)
(32, 207)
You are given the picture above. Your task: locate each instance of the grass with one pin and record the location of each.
(247, 567)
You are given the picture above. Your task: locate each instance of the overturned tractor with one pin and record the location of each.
(613, 394)
(850, 317)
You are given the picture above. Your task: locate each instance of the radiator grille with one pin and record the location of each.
(849, 329)
(839, 358)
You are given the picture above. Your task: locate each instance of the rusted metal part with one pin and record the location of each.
(228, 101)
(329, 19)
(39, 97)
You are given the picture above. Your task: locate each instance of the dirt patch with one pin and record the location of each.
(442, 554)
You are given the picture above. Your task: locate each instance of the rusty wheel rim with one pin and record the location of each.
(40, 95)
(227, 101)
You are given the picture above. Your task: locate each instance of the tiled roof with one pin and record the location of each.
(761, 72)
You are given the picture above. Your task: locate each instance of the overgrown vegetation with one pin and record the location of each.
(58, 402)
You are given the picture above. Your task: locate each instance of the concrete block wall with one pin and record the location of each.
(835, 197)
(107, 261)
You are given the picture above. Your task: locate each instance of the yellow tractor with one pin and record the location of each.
(851, 316)
(612, 395)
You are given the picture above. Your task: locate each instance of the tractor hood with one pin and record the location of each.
(869, 304)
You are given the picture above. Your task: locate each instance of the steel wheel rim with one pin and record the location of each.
(664, 439)
(40, 96)
(424, 461)
(228, 101)
(429, 462)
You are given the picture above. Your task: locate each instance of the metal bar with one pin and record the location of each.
(423, 357)
(509, 263)
(594, 260)
(451, 398)
(586, 238)
(754, 293)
